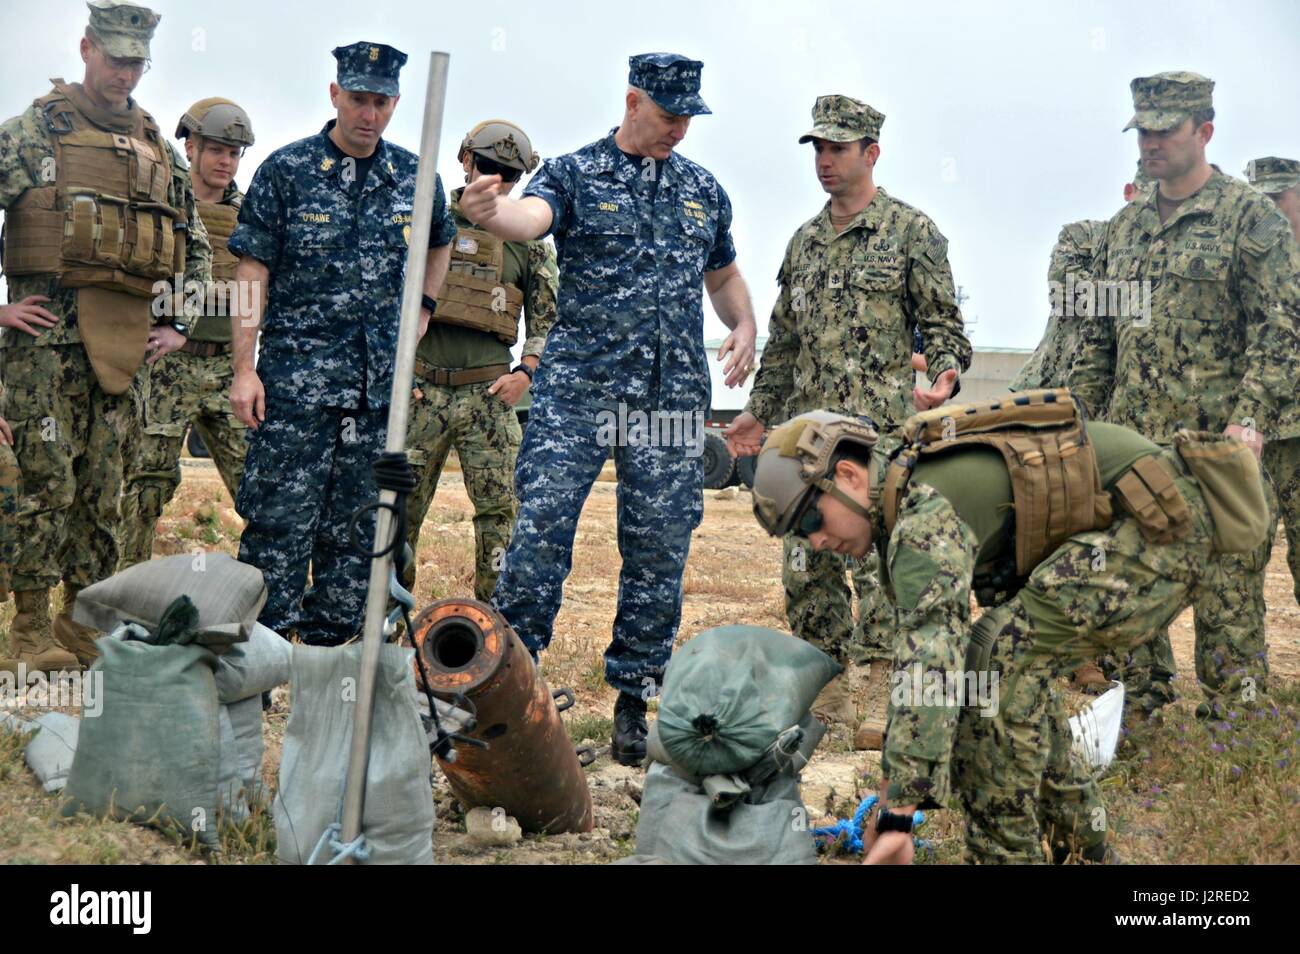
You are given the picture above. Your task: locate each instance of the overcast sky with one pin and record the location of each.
(1002, 119)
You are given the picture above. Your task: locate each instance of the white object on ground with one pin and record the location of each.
(1096, 728)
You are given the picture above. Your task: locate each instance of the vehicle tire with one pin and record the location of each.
(717, 462)
(745, 469)
(195, 445)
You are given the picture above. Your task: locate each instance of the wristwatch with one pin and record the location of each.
(524, 368)
(888, 821)
(430, 303)
(181, 328)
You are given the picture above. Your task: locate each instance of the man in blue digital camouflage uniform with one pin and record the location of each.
(637, 230)
(324, 230)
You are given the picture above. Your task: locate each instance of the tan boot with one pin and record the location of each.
(870, 735)
(31, 640)
(1090, 678)
(77, 639)
(834, 704)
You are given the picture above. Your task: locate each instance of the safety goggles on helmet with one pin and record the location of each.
(489, 168)
(811, 519)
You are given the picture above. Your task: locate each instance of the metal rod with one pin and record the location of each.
(398, 411)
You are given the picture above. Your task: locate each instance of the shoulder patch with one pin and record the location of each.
(1264, 234)
(936, 248)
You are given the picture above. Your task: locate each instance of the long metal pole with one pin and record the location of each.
(398, 409)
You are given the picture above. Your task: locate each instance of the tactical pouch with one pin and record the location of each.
(1233, 487)
(115, 333)
(1149, 493)
(474, 295)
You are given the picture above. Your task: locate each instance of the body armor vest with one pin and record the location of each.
(104, 222)
(474, 295)
(1055, 484)
(220, 221)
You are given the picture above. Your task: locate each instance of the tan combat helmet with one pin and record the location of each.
(220, 120)
(795, 465)
(501, 141)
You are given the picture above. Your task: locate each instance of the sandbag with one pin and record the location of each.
(49, 752)
(253, 667)
(227, 594)
(397, 822)
(153, 752)
(730, 692)
(239, 763)
(679, 824)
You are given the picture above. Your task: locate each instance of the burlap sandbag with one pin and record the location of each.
(227, 594)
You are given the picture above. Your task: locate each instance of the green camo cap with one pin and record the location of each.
(1273, 175)
(123, 29)
(843, 119)
(1163, 101)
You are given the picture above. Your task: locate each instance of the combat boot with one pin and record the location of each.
(870, 735)
(77, 639)
(834, 704)
(630, 730)
(1091, 679)
(31, 639)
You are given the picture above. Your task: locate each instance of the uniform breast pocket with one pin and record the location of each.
(313, 242)
(876, 285)
(1198, 285)
(697, 222)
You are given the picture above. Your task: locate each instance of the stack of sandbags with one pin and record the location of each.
(177, 739)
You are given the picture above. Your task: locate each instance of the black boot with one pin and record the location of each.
(630, 730)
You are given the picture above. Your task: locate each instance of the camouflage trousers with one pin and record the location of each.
(10, 482)
(1282, 462)
(307, 471)
(181, 389)
(819, 603)
(660, 502)
(68, 436)
(485, 433)
(1101, 591)
(1230, 648)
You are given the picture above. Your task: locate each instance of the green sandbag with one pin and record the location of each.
(154, 750)
(731, 691)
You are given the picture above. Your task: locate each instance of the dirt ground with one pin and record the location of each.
(1157, 795)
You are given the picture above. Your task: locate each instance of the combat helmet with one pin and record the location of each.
(501, 141)
(218, 119)
(794, 467)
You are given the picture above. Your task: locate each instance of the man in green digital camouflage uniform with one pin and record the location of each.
(1279, 179)
(857, 279)
(191, 386)
(1071, 261)
(1204, 337)
(464, 388)
(99, 217)
(1007, 754)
